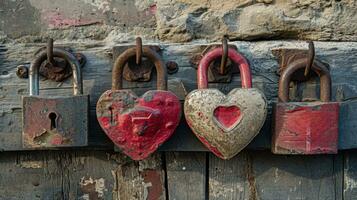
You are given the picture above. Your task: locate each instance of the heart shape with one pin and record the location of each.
(207, 112)
(227, 117)
(138, 125)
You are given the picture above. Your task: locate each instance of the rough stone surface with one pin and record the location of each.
(177, 20)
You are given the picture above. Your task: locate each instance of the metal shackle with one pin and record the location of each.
(318, 67)
(117, 74)
(60, 53)
(237, 58)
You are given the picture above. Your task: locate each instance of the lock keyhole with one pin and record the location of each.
(53, 117)
(111, 114)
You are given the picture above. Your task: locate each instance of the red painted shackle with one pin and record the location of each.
(237, 58)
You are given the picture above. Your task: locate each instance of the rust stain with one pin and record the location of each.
(251, 179)
(51, 137)
(153, 183)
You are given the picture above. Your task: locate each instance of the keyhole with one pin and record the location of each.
(53, 117)
(111, 114)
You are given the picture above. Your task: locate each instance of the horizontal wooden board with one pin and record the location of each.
(97, 79)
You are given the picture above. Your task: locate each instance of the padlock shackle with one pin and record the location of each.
(237, 58)
(318, 67)
(117, 74)
(60, 53)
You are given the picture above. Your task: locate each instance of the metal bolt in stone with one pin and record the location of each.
(22, 71)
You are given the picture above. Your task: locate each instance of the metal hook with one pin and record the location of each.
(310, 58)
(224, 54)
(49, 49)
(139, 50)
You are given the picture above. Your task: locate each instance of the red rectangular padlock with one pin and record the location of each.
(305, 127)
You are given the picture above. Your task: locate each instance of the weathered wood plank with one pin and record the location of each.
(262, 175)
(296, 177)
(228, 178)
(79, 175)
(186, 175)
(350, 175)
(97, 79)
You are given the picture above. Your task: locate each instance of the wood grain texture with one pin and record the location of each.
(350, 175)
(296, 177)
(97, 79)
(262, 175)
(79, 175)
(228, 179)
(56, 175)
(186, 175)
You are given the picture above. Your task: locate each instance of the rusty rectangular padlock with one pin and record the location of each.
(305, 127)
(55, 121)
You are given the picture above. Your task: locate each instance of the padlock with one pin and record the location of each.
(55, 121)
(305, 127)
(225, 124)
(138, 125)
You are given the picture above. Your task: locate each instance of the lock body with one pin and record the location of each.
(225, 124)
(55, 121)
(138, 125)
(305, 128)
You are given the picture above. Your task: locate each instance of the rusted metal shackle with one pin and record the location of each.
(320, 69)
(237, 58)
(310, 58)
(139, 50)
(224, 58)
(117, 75)
(56, 52)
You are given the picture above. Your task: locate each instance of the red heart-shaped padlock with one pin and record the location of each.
(138, 125)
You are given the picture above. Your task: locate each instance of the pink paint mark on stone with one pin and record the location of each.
(153, 9)
(57, 20)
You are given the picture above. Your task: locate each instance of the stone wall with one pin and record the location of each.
(177, 20)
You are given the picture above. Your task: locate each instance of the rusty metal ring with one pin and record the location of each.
(41, 57)
(117, 74)
(139, 50)
(224, 58)
(318, 67)
(310, 58)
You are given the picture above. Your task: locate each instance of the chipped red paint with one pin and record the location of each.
(154, 179)
(58, 20)
(213, 149)
(138, 125)
(227, 116)
(306, 128)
